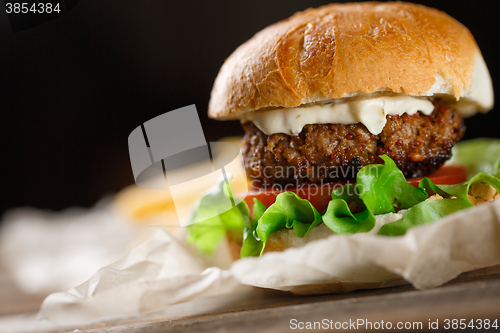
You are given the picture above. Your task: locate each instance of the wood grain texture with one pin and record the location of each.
(13, 300)
(473, 295)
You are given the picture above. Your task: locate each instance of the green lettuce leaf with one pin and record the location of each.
(379, 189)
(482, 157)
(479, 155)
(461, 190)
(432, 210)
(252, 245)
(289, 211)
(207, 234)
(339, 218)
(382, 189)
(422, 213)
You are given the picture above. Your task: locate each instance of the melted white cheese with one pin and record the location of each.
(370, 112)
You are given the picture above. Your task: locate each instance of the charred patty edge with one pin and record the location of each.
(323, 153)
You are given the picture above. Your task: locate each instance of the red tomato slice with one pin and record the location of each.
(447, 175)
(320, 196)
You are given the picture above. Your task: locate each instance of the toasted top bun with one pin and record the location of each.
(353, 50)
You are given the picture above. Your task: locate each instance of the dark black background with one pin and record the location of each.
(75, 87)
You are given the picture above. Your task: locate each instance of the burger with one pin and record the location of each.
(350, 112)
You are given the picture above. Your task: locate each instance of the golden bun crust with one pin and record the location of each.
(344, 50)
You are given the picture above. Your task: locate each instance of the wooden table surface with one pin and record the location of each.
(473, 295)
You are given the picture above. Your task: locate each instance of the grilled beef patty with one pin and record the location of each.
(321, 153)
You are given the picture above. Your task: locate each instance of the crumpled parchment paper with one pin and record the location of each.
(158, 272)
(45, 251)
(163, 271)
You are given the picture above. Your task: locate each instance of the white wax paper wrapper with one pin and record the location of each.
(158, 272)
(426, 256)
(163, 271)
(45, 251)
